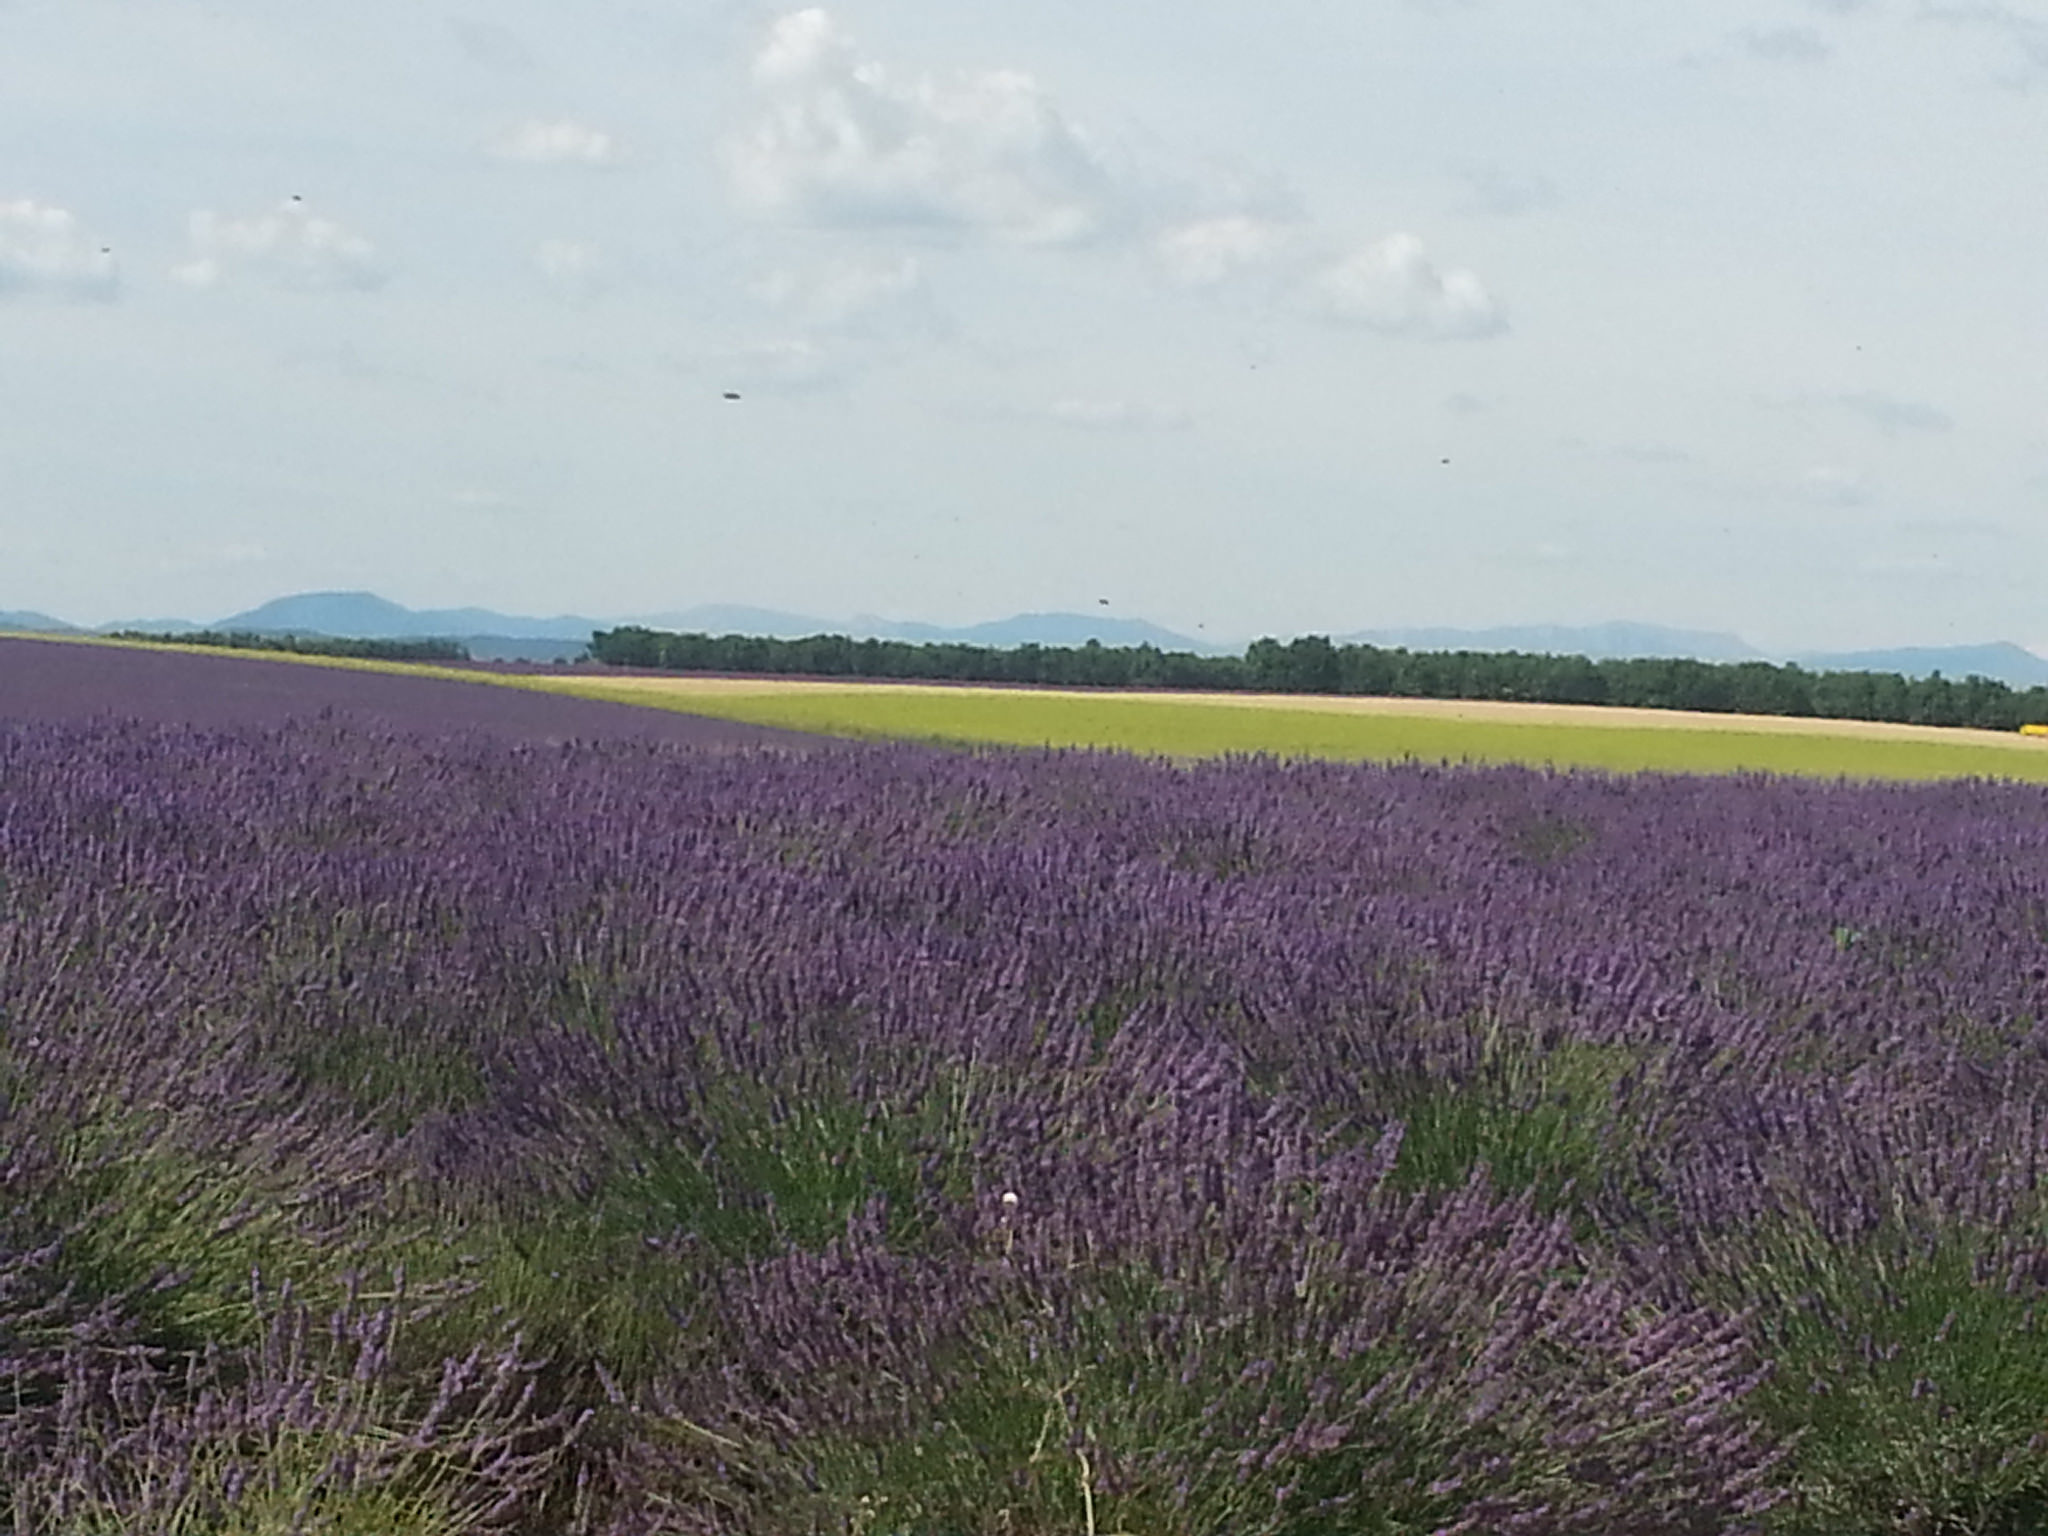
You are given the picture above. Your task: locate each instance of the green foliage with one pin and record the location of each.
(307, 645)
(1101, 1426)
(388, 1077)
(584, 1289)
(1909, 1375)
(1538, 1118)
(760, 1173)
(290, 1495)
(360, 1450)
(181, 1228)
(606, 1276)
(1547, 839)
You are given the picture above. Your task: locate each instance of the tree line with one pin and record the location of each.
(1316, 664)
(310, 645)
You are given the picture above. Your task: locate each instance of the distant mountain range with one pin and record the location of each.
(366, 616)
(2008, 663)
(35, 623)
(494, 636)
(502, 636)
(2001, 660)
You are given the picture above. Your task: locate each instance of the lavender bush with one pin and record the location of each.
(889, 1141)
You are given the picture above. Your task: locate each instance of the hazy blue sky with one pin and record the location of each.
(1729, 316)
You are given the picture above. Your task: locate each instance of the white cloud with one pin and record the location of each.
(212, 557)
(571, 267)
(489, 505)
(1786, 45)
(1503, 193)
(1832, 486)
(1891, 416)
(46, 250)
(1208, 251)
(1118, 416)
(290, 247)
(1393, 287)
(1649, 453)
(783, 365)
(560, 142)
(838, 292)
(489, 44)
(2027, 33)
(841, 142)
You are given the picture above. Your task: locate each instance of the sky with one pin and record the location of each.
(1304, 317)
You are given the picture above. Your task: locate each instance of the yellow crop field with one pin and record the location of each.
(1352, 729)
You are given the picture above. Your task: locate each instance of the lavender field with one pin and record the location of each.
(428, 1134)
(68, 680)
